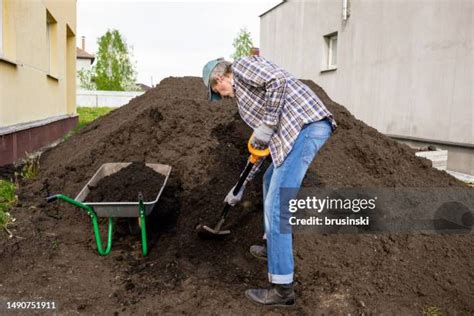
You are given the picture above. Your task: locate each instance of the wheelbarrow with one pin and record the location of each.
(139, 209)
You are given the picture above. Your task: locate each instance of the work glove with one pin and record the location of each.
(232, 199)
(262, 136)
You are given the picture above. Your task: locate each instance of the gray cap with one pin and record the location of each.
(206, 76)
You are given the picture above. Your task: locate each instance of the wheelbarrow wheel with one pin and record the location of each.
(134, 226)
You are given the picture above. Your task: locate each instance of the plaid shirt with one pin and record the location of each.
(268, 94)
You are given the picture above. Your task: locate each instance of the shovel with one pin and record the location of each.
(206, 232)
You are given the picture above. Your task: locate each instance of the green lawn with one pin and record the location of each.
(7, 201)
(87, 115)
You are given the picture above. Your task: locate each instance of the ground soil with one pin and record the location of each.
(126, 184)
(10, 172)
(55, 258)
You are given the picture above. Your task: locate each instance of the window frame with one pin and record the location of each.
(330, 43)
(1, 29)
(332, 52)
(52, 50)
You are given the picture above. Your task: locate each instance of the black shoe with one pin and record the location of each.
(259, 252)
(282, 295)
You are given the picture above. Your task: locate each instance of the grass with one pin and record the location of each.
(432, 311)
(31, 166)
(87, 115)
(8, 199)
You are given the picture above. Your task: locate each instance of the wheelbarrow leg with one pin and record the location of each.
(141, 209)
(95, 222)
(98, 240)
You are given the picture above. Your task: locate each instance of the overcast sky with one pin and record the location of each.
(171, 38)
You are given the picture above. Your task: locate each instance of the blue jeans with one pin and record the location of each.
(289, 174)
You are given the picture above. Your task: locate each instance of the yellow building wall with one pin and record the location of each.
(35, 83)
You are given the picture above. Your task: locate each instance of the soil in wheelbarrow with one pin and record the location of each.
(126, 184)
(174, 124)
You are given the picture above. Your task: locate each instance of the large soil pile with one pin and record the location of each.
(205, 144)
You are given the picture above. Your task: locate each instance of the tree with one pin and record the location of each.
(114, 69)
(85, 79)
(242, 44)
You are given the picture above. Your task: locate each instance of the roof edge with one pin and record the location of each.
(272, 8)
(85, 57)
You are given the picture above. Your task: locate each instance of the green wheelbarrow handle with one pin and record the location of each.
(95, 222)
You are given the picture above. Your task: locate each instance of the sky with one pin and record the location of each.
(171, 38)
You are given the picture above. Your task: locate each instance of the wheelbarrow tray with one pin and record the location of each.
(121, 209)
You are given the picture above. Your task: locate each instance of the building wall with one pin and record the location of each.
(36, 83)
(404, 67)
(82, 63)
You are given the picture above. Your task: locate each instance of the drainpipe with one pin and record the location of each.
(345, 13)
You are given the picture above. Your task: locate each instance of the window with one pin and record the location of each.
(70, 77)
(330, 54)
(7, 33)
(1, 28)
(52, 43)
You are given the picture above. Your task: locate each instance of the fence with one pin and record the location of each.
(114, 99)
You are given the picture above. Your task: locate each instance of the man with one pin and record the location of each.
(293, 122)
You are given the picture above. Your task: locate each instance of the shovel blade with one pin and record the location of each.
(206, 232)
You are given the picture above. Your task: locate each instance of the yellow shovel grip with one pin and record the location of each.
(256, 154)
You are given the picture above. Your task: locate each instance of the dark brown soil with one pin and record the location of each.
(205, 144)
(10, 172)
(126, 184)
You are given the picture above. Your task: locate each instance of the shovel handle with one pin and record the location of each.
(255, 155)
(239, 185)
(225, 211)
(243, 177)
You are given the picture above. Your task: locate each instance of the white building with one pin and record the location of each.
(403, 67)
(84, 60)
